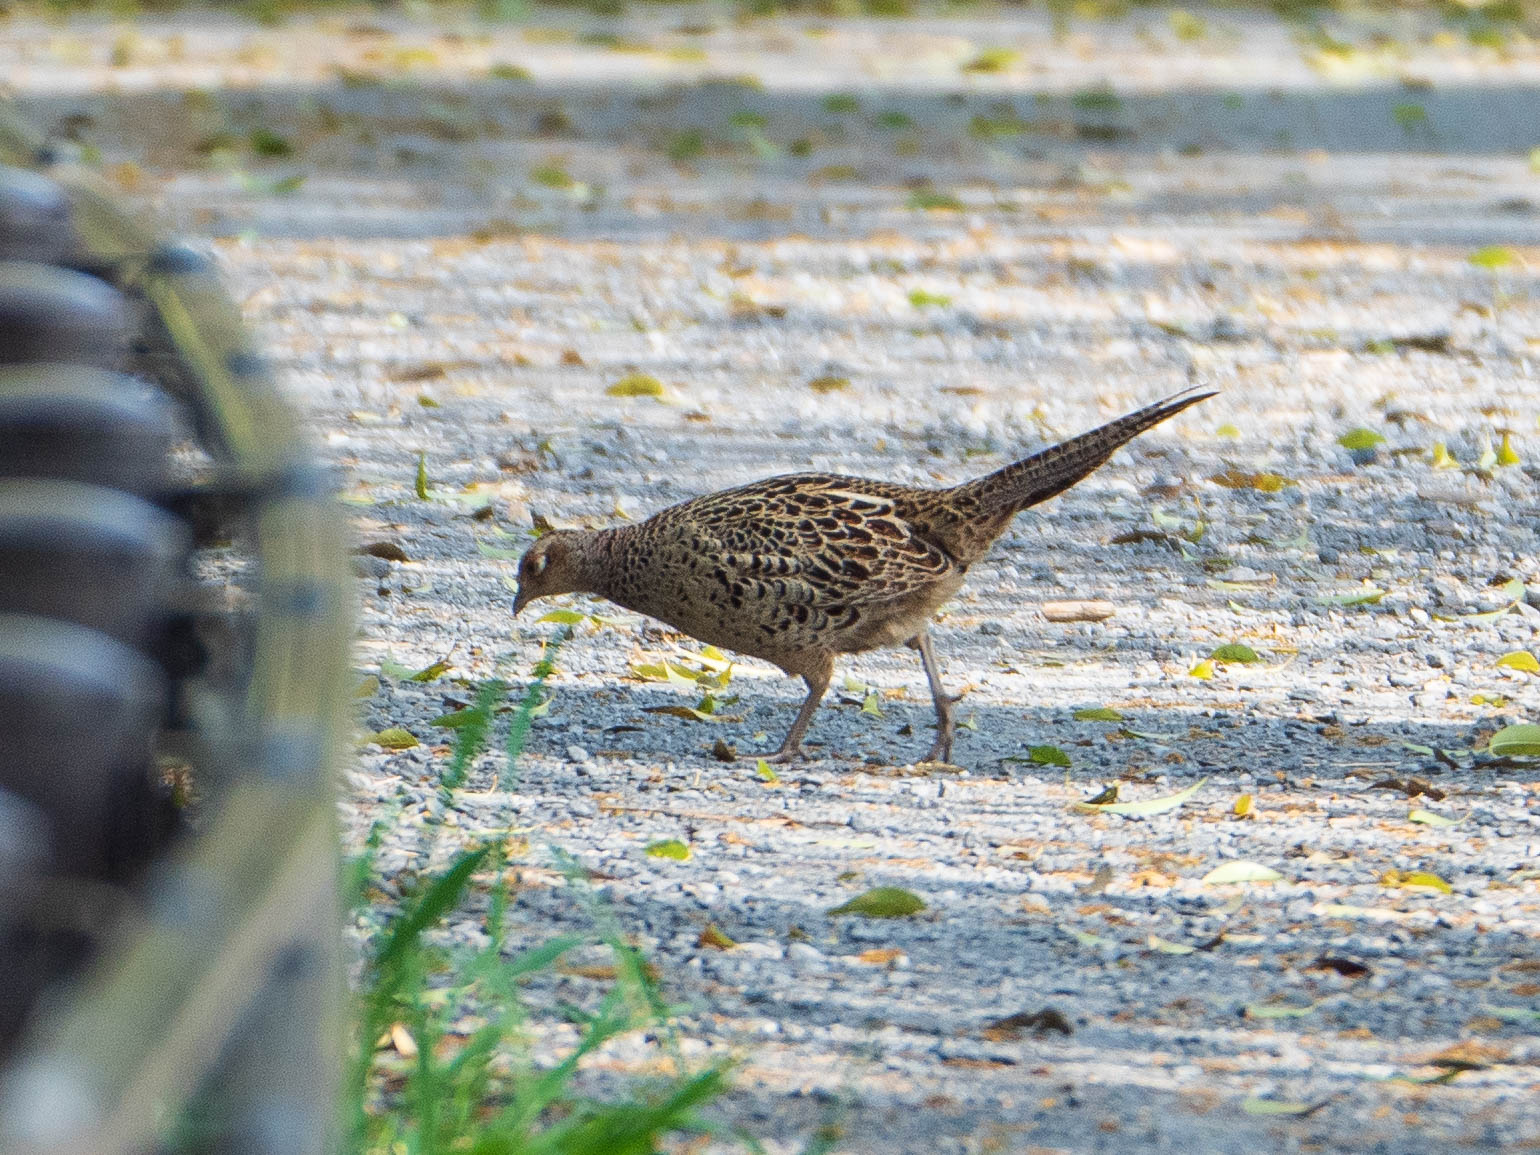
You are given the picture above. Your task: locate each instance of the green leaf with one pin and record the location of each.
(668, 848)
(841, 103)
(1235, 652)
(1255, 1106)
(1273, 1011)
(1048, 756)
(1521, 660)
(457, 719)
(1097, 714)
(1428, 818)
(882, 902)
(686, 146)
(992, 60)
(1240, 871)
(920, 298)
(437, 670)
(1521, 741)
(1361, 438)
(1363, 597)
(1204, 670)
(766, 771)
(562, 617)
(552, 176)
(929, 200)
(421, 485)
(1101, 99)
(394, 738)
(636, 385)
(1166, 946)
(267, 143)
(1147, 807)
(1409, 115)
(1491, 257)
(498, 552)
(872, 704)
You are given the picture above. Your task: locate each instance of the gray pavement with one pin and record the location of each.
(456, 260)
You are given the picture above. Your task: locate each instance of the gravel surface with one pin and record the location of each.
(885, 248)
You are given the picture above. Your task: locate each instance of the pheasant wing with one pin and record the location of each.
(821, 540)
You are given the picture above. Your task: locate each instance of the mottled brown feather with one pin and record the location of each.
(799, 568)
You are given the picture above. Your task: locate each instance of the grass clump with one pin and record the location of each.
(442, 1048)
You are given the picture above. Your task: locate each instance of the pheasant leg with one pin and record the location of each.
(791, 748)
(944, 702)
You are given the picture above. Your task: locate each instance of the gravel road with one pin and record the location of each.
(911, 250)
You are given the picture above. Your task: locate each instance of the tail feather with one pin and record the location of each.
(1055, 469)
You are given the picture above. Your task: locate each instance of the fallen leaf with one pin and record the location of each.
(1521, 741)
(881, 902)
(388, 550)
(1428, 818)
(402, 1040)
(1240, 871)
(1097, 714)
(636, 385)
(668, 848)
(1147, 807)
(1345, 967)
(1235, 652)
(394, 738)
(1361, 439)
(1521, 660)
(1255, 1106)
(712, 938)
(1415, 880)
(1048, 756)
(1277, 1011)
(1012, 1027)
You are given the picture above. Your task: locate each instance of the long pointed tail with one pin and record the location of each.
(1055, 469)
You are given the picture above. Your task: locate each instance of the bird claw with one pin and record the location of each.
(783, 756)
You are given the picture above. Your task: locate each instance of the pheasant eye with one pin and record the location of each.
(537, 564)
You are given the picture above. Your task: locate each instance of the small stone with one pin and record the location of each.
(1328, 556)
(576, 754)
(991, 628)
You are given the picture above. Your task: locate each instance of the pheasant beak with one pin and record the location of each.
(521, 599)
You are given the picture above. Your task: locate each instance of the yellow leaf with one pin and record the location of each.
(1521, 660)
(1415, 879)
(1245, 806)
(714, 938)
(1505, 453)
(1204, 669)
(1442, 458)
(636, 385)
(402, 1040)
